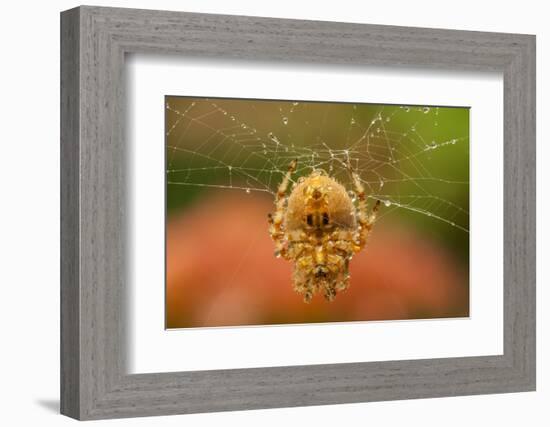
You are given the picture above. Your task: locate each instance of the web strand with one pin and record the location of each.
(248, 145)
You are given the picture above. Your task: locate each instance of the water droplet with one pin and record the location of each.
(229, 167)
(352, 121)
(247, 191)
(426, 110)
(453, 141)
(232, 118)
(277, 254)
(285, 120)
(243, 126)
(381, 184)
(388, 119)
(271, 136)
(225, 113)
(413, 128)
(387, 203)
(352, 195)
(265, 152)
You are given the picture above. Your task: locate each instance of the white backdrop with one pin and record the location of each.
(29, 225)
(152, 349)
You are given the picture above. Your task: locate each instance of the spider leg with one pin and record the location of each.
(343, 284)
(276, 220)
(303, 284)
(341, 246)
(366, 221)
(330, 291)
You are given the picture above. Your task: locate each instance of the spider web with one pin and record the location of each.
(414, 159)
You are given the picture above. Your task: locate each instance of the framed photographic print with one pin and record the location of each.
(263, 213)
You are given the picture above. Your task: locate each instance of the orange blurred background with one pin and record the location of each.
(221, 271)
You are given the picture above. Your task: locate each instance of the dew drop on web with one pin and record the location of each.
(379, 151)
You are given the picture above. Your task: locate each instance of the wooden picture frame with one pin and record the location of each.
(94, 382)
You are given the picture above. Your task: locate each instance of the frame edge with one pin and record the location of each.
(70, 403)
(83, 391)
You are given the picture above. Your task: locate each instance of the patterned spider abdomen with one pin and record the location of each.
(319, 204)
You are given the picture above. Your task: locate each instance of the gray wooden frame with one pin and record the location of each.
(94, 382)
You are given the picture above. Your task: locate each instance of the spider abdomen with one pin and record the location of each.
(319, 202)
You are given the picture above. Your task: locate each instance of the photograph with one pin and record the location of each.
(272, 214)
(295, 212)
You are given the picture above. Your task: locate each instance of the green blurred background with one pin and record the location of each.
(224, 161)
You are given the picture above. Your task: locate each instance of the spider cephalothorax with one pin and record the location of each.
(319, 228)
